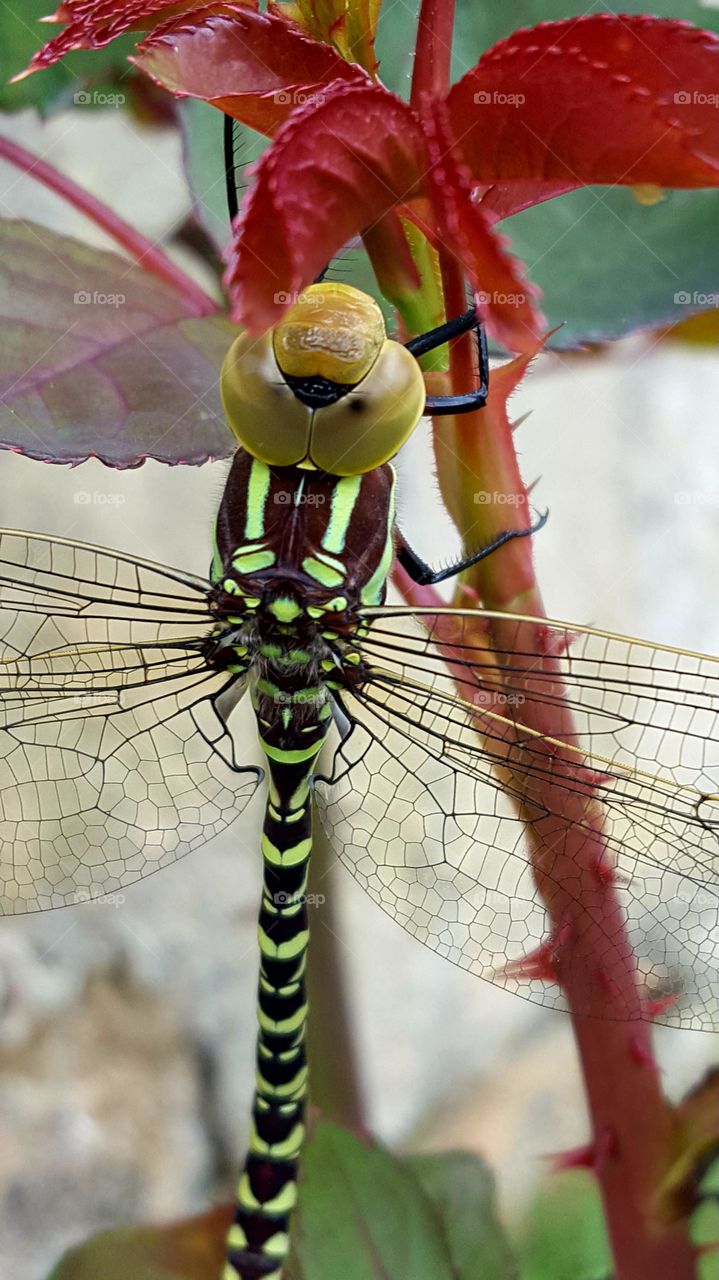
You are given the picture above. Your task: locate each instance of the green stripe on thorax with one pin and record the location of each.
(258, 487)
(344, 500)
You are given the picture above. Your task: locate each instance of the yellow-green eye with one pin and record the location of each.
(264, 414)
(369, 425)
(326, 389)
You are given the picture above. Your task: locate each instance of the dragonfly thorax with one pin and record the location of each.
(304, 551)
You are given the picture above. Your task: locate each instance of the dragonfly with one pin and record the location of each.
(121, 749)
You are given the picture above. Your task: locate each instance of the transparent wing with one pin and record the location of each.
(115, 756)
(597, 749)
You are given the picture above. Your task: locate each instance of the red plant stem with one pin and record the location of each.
(433, 50)
(631, 1120)
(146, 254)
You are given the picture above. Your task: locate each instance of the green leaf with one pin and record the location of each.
(202, 131)
(92, 75)
(362, 1215)
(480, 25)
(365, 1215)
(99, 358)
(564, 1236)
(708, 1267)
(396, 37)
(608, 265)
(189, 1250)
(461, 1189)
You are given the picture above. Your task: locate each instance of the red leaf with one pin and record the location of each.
(504, 298)
(94, 23)
(214, 54)
(601, 99)
(332, 170)
(502, 199)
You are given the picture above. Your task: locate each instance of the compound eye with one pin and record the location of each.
(262, 411)
(369, 424)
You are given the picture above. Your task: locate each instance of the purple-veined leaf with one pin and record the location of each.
(101, 359)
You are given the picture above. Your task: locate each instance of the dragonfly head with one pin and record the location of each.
(326, 389)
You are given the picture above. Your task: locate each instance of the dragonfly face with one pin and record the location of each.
(326, 390)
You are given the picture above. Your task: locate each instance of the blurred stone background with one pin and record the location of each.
(127, 1031)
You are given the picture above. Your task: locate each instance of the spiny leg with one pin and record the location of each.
(424, 575)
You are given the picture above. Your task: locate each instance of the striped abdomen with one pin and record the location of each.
(292, 725)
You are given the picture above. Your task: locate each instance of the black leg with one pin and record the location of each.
(434, 338)
(438, 406)
(230, 181)
(425, 576)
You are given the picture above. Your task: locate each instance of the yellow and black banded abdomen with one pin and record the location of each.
(292, 729)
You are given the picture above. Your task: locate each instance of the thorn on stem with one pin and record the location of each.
(604, 871)
(521, 421)
(654, 1008)
(542, 964)
(593, 1156)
